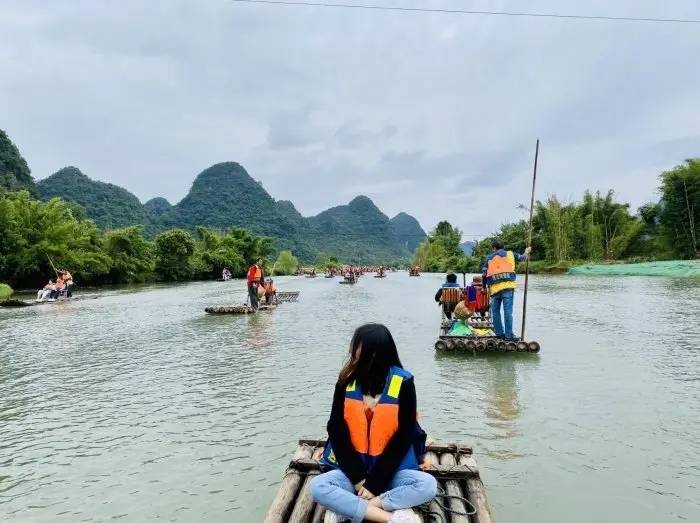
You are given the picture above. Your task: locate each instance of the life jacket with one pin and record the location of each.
(451, 295)
(370, 436)
(254, 274)
(269, 289)
(500, 271)
(477, 298)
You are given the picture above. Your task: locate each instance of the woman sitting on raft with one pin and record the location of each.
(375, 444)
(46, 292)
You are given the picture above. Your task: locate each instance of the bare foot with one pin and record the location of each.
(377, 514)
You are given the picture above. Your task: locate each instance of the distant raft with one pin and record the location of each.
(461, 496)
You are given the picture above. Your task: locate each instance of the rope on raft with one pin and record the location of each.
(425, 507)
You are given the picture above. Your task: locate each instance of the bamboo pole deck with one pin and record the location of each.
(452, 465)
(480, 343)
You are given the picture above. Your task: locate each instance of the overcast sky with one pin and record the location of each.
(432, 114)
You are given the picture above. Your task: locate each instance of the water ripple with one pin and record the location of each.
(144, 407)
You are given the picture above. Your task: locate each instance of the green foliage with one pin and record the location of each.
(441, 251)
(108, 205)
(133, 257)
(156, 207)
(597, 228)
(285, 264)
(679, 209)
(327, 263)
(235, 249)
(174, 250)
(32, 231)
(5, 291)
(14, 171)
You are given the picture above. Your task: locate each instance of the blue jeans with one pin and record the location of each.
(408, 488)
(506, 298)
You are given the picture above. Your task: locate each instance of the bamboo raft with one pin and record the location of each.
(452, 465)
(13, 302)
(288, 296)
(238, 309)
(475, 344)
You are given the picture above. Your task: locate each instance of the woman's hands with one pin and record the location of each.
(362, 491)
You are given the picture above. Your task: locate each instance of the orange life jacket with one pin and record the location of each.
(451, 295)
(500, 271)
(477, 299)
(370, 430)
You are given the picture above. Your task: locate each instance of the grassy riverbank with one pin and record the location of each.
(5, 291)
(672, 269)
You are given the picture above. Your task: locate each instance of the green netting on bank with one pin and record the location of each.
(673, 269)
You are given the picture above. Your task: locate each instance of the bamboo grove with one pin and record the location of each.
(597, 228)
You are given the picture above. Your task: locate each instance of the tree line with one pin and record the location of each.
(37, 235)
(597, 229)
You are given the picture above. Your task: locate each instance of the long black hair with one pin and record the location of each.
(372, 352)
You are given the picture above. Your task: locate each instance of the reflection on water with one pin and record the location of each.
(139, 406)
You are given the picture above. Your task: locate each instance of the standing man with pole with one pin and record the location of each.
(256, 278)
(499, 269)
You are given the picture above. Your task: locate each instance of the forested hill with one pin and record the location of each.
(225, 195)
(14, 171)
(407, 230)
(110, 206)
(357, 232)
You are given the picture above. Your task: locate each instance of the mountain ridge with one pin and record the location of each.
(224, 195)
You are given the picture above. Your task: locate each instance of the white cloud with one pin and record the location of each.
(435, 115)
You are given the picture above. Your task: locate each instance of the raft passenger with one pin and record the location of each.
(375, 446)
(46, 292)
(449, 295)
(270, 291)
(499, 269)
(477, 298)
(67, 280)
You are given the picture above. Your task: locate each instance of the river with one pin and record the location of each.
(138, 405)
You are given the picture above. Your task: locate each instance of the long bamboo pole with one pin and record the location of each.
(52, 265)
(529, 239)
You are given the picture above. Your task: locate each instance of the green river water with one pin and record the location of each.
(138, 405)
